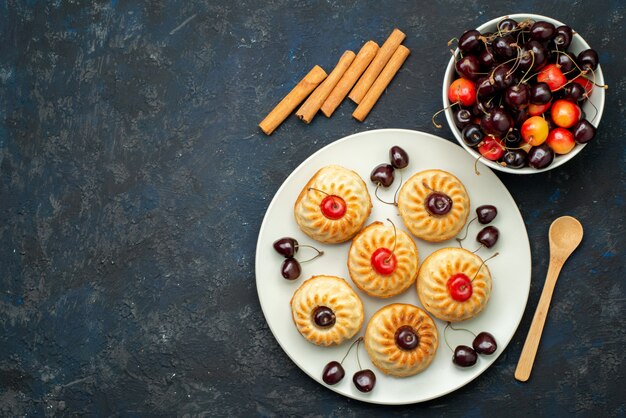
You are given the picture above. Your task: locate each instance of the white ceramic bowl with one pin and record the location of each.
(597, 97)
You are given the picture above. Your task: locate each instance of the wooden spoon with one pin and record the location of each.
(565, 235)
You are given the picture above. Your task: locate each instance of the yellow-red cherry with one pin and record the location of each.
(565, 113)
(460, 287)
(538, 109)
(535, 130)
(333, 207)
(561, 140)
(384, 261)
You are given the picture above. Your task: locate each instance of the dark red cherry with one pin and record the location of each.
(290, 269)
(324, 317)
(497, 122)
(540, 156)
(333, 207)
(533, 56)
(485, 88)
(565, 62)
(384, 261)
(468, 67)
(438, 203)
(333, 373)
(486, 213)
(486, 59)
(398, 157)
(542, 31)
(470, 41)
(588, 59)
(502, 77)
(507, 25)
(488, 236)
(583, 131)
(460, 287)
(517, 96)
(503, 47)
(462, 117)
(364, 380)
(485, 343)
(515, 158)
(382, 175)
(287, 246)
(472, 135)
(464, 356)
(540, 93)
(406, 338)
(563, 37)
(512, 138)
(574, 93)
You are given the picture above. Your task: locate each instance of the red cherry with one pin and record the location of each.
(553, 76)
(561, 140)
(462, 90)
(536, 110)
(460, 287)
(491, 148)
(333, 207)
(565, 113)
(384, 261)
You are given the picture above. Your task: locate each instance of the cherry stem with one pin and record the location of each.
(317, 190)
(466, 231)
(319, 254)
(460, 329)
(395, 195)
(394, 203)
(476, 165)
(445, 336)
(428, 187)
(482, 264)
(481, 246)
(349, 349)
(437, 125)
(532, 62)
(395, 240)
(357, 352)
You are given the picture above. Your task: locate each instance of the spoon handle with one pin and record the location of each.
(527, 358)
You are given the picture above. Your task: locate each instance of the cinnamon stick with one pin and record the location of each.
(352, 74)
(311, 106)
(380, 60)
(381, 83)
(292, 99)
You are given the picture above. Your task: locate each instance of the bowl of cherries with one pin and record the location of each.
(523, 93)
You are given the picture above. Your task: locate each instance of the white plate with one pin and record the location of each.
(510, 270)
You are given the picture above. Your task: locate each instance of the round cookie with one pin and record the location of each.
(434, 205)
(401, 340)
(333, 182)
(326, 310)
(366, 246)
(435, 276)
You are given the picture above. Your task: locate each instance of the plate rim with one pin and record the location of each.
(264, 226)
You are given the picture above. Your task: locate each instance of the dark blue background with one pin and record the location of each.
(134, 179)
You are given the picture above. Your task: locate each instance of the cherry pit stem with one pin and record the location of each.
(395, 240)
(481, 266)
(459, 240)
(350, 348)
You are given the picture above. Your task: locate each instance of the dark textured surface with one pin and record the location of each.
(134, 179)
